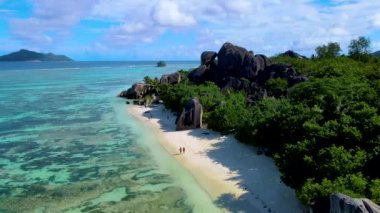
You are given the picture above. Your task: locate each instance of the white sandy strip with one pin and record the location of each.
(232, 173)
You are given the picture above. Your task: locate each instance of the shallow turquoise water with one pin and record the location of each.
(68, 145)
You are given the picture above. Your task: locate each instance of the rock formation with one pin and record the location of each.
(191, 116)
(261, 64)
(173, 78)
(235, 84)
(292, 54)
(206, 71)
(276, 71)
(232, 68)
(207, 57)
(161, 64)
(200, 75)
(138, 91)
(232, 60)
(236, 68)
(340, 203)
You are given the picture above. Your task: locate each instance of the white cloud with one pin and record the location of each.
(238, 6)
(141, 21)
(30, 30)
(168, 13)
(51, 20)
(376, 20)
(121, 10)
(376, 46)
(132, 34)
(342, 2)
(275, 26)
(338, 32)
(265, 26)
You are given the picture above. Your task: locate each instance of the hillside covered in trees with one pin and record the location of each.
(318, 118)
(27, 55)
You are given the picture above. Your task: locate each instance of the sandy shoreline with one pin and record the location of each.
(233, 174)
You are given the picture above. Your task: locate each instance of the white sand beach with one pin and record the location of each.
(233, 174)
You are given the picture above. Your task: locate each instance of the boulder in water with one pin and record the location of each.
(161, 64)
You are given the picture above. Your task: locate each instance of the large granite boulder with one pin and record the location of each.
(203, 73)
(191, 116)
(235, 84)
(292, 54)
(253, 66)
(231, 60)
(283, 71)
(237, 62)
(273, 71)
(260, 64)
(138, 91)
(173, 78)
(232, 83)
(206, 71)
(207, 57)
(199, 75)
(340, 203)
(239, 69)
(248, 69)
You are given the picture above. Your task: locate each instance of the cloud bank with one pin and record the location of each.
(265, 26)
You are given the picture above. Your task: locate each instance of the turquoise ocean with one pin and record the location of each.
(67, 143)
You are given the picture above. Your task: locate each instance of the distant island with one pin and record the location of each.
(27, 55)
(161, 64)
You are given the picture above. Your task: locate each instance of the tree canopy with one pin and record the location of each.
(360, 48)
(331, 50)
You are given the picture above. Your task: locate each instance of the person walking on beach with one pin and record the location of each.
(180, 150)
(183, 150)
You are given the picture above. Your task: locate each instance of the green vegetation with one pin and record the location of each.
(324, 134)
(277, 87)
(359, 49)
(331, 50)
(176, 96)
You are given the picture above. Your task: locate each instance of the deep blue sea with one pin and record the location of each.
(67, 143)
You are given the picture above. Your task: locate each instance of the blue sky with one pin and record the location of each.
(182, 29)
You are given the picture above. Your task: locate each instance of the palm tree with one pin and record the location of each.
(148, 99)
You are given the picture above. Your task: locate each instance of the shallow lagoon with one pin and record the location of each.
(68, 145)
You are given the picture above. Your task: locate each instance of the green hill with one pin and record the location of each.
(27, 55)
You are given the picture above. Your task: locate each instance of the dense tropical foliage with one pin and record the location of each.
(331, 50)
(324, 134)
